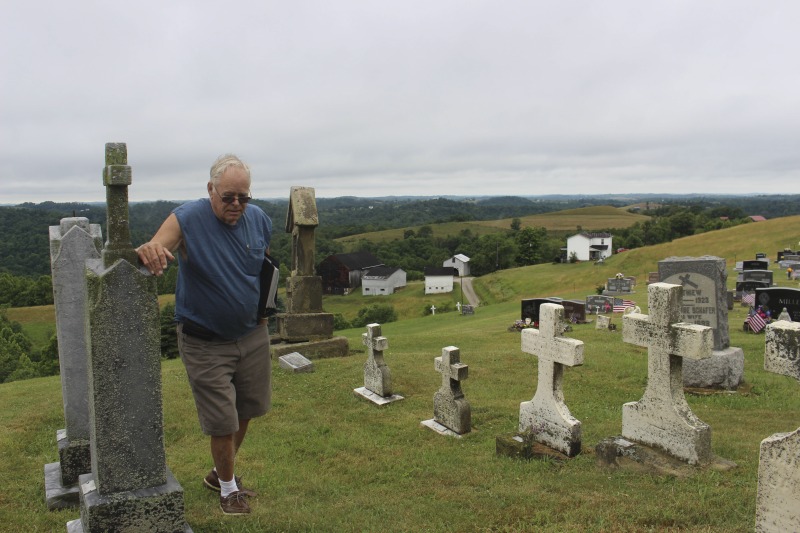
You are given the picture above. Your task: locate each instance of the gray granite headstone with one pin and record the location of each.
(377, 376)
(705, 302)
(72, 242)
(662, 418)
(546, 417)
(778, 496)
(130, 487)
(450, 409)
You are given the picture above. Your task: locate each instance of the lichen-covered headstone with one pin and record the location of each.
(546, 417)
(377, 376)
(705, 302)
(662, 418)
(72, 242)
(778, 497)
(130, 487)
(450, 408)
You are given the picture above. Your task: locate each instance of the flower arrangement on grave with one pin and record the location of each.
(519, 325)
(620, 275)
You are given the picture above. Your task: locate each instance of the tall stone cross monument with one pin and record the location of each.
(546, 416)
(130, 487)
(662, 418)
(72, 242)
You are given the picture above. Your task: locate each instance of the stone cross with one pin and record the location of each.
(130, 487)
(377, 376)
(778, 496)
(662, 418)
(450, 408)
(458, 306)
(433, 309)
(546, 416)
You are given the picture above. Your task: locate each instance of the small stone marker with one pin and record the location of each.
(546, 416)
(603, 322)
(377, 376)
(295, 363)
(451, 411)
(778, 497)
(662, 418)
(433, 309)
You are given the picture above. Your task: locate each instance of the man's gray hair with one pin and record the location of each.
(222, 164)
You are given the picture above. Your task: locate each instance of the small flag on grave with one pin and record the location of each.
(749, 298)
(756, 323)
(621, 307)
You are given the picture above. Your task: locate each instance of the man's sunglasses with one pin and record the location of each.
(229, 198)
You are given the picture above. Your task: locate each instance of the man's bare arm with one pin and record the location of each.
(156, 254)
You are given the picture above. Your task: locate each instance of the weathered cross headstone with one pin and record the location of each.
(450, 409)
(705, 302)
(778, 497)
(546, 417)
(377, 376)
(130, 487)
(662, 418)
(72, 242)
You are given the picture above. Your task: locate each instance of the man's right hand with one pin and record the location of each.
(155, 257)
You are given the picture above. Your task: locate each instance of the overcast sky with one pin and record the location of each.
(411, 97)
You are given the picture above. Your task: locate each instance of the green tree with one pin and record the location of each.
(169, 336)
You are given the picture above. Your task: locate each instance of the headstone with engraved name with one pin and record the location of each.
(296, 363)
(662, 418)
(530, 307)
(546, 417)
(597, 304)
(705, 302)
(775, 299)
(574, 311)
(652, 277)
(130, 487)
(764, 276)
(755, 264)
(451, 411)
(72, 242)
(618, 285)
(778, 496)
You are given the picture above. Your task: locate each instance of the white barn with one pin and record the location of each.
(460, 262)
(589, 246)
(439, 280)
(382, 280)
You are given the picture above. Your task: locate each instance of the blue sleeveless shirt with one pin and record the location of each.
(218, 281)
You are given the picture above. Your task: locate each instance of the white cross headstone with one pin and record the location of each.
(433, 309)
(377, 376)
(778, 497)
(458, 306)
(662, 418)
(546, 415)
(450, 408)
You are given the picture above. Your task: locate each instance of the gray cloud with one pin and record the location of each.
(401, 98)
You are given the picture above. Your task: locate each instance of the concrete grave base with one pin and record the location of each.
(333, 347)
(153, 509)
(620, 453)
(439, 428)
(517, 446)
(723, 370)
(74, 456)
(363, 392)
(56, 495)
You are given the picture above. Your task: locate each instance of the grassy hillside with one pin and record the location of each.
(588, 218)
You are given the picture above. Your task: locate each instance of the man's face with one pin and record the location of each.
(233, 182)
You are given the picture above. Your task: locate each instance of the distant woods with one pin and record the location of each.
(25, 253)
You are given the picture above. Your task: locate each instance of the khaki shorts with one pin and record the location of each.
(231, 380)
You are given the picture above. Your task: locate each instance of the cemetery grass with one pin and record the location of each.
(324, 460)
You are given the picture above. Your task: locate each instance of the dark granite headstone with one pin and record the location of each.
(597, 304)
(756, 275)
(755, 264)
(776, 298)
(574, 311)
(530, 307)
(619, 285)
(749, 286)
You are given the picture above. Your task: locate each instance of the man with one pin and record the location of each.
(220, 243)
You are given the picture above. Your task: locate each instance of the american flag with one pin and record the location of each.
(625, 303)
(756, 323)
(748, 298)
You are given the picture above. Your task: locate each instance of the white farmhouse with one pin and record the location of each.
(382, 280)
(460, 262)
(438, 280)
(589, 246)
